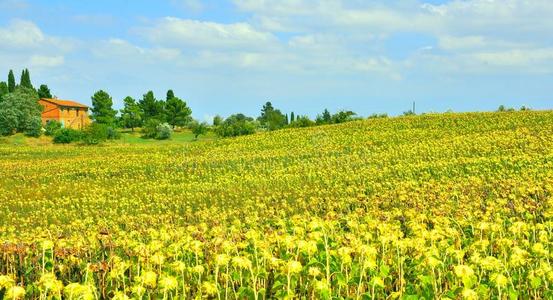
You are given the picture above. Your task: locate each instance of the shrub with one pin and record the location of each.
(377, 116)
(149, 129)
(113, 133)
(154, 129)
(97, 133)
(163, 131)
(199, 128)
(66, 136)
(302, 121)
(52, 127)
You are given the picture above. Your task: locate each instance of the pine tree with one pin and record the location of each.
(11, 82)
(177, 112)
(102, 111)
(44, 92)
(131, 114)
(152, 108)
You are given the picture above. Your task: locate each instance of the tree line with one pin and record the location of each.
(157, 118)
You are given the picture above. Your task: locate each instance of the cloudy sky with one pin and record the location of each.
(227, 56)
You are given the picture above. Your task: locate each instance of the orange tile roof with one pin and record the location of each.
(68, 103)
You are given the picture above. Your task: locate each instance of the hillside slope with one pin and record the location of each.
(436, 205)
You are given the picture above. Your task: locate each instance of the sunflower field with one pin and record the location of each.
(445, 206)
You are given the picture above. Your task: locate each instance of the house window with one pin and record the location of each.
(78, 110)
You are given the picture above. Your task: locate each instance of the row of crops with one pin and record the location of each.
(444, 206)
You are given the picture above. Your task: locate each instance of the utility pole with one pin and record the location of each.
(414, 112)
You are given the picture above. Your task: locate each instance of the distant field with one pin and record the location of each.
(437, 206)
(127, 137)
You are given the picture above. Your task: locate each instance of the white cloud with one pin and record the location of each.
(46, 61)
(122, 50)
(191, 33)
(21, 34)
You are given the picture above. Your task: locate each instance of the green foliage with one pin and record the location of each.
(67, 135)
(272, 118)
(525, 108)
(217, 120)
(9, 120)
(177, 112)
(25, 80)
(170, 95)
(102, 111)
(292, 117)
(163, 131)
(199, 128)
(19, 110)
(152, 108)
(131, 114)
(155, 129)
(302, 121)
(236, 125)
(44, 92)
(34, 126)
(377, 116)
(409, 113)
(11, 82)
(97, 133)
(503, 108)
(343, 116)
(325, 118)
(3, 89)
(52, 127)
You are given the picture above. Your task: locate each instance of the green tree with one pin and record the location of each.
(265, 111)
(11, 82)
(236, 125)
(170, 95)
(272, 118)
(102, 108)
(44, 92)
(20, 112)
(198, 128)
(151, 107)
(131, 114)
(25, 80)
(343, 116)
(302, 121)
(177, 112)
(325, 118)
(217, 120)
(3, 89)
(292, 117)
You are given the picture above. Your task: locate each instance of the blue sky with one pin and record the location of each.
(231, 56)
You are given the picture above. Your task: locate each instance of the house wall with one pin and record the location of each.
(74, 117)
(70, 117)
(50, 112)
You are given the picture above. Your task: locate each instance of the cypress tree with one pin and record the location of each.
(170, 95)
(26, 79)
(292, 117)
(11, 82)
